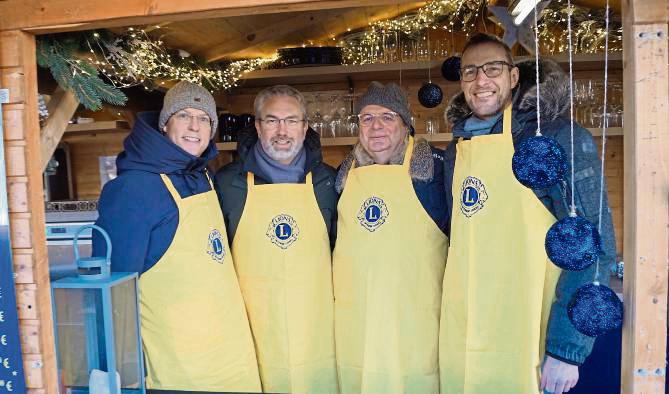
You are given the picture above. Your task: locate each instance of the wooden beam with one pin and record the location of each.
(18, 66)
(61, 107)
(267, 33)
(39, 16)
(646, 206)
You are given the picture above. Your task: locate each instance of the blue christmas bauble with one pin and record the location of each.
(595, 309)
(539, 162)
(573, 243)
(430, 95)
(450, 68)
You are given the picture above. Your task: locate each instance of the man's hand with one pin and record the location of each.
(557, 376)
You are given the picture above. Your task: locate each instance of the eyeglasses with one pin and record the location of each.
(386, 118)
(491, 70)
(186, 118)
(273, 123)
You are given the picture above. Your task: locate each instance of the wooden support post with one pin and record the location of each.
(18, 73)
(646, 248)
(61, 107)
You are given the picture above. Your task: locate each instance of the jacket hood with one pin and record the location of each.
(147, 149)
(553, 86)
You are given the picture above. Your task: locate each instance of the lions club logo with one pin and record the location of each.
(373, 213)
(215, 246)
(283, 231)
(473, 196)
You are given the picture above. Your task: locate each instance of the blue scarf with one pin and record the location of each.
(277, 172)
(475, 126)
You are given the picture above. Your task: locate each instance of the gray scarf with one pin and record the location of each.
(277, 172)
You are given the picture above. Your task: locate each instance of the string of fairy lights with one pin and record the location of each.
(136, 58)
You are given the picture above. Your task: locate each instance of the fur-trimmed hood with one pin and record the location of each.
(553, 86)
(421, 167)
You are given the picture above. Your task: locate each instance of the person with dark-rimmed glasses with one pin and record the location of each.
(504, 326)
(390, 254)
(279, 202)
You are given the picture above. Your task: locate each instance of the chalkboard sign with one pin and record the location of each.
(12, 378)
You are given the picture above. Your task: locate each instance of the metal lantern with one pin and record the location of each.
(96, 319)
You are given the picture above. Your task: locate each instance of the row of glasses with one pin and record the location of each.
(331, 114)
(589, 103)
(392, 47)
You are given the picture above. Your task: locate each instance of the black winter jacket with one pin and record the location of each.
(231, 186)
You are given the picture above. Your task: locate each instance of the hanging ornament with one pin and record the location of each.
(450, 68)
(595, 309)
(539, 162)
(430, 95)
(573, 243)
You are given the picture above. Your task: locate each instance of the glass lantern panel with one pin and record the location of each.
(80, 334)
(124, 304)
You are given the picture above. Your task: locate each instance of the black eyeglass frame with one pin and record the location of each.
(483, 68)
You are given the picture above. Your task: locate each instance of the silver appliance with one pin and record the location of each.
(63, 218)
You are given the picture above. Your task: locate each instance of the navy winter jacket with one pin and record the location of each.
(136, 209)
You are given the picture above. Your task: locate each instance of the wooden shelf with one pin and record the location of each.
(98, 127)
(440, 137)
(328, 74)
(99, 132)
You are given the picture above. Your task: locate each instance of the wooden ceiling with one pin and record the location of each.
(251, 36)
(260, 35)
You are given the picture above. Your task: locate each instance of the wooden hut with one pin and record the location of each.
(637, 167)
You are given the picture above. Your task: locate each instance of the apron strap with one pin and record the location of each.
(170, 187)
(506, 129)
(407, 154)
(250, 179)
(206, 173)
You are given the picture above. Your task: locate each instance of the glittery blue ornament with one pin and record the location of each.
(430, 95)
(539, 162)
(450, 69)
(573, 243)
(595, 309)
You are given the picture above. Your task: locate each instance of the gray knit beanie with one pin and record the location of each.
(188, 95)
(390, 96)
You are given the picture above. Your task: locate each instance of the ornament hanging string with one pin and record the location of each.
(605, 123)
(572, 210)
(536, 66)
(429, 56)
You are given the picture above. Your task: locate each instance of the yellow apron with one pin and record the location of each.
(388, 271)
(499, 284)
(282, 257)
(195, 331)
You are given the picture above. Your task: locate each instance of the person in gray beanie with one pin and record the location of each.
(163, 217)
(390, 254)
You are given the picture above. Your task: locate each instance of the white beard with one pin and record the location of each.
(281, 155)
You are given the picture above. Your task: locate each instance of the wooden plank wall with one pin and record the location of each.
(26, 209)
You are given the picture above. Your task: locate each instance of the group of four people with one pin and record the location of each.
(281, 274)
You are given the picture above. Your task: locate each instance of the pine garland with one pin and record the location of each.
(81, 77)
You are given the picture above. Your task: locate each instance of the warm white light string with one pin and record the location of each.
(605, 123)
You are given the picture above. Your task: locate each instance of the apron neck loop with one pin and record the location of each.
(507, 120)
(251, 182)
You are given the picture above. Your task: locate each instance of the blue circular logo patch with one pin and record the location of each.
(283, 231)
(215, 246)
